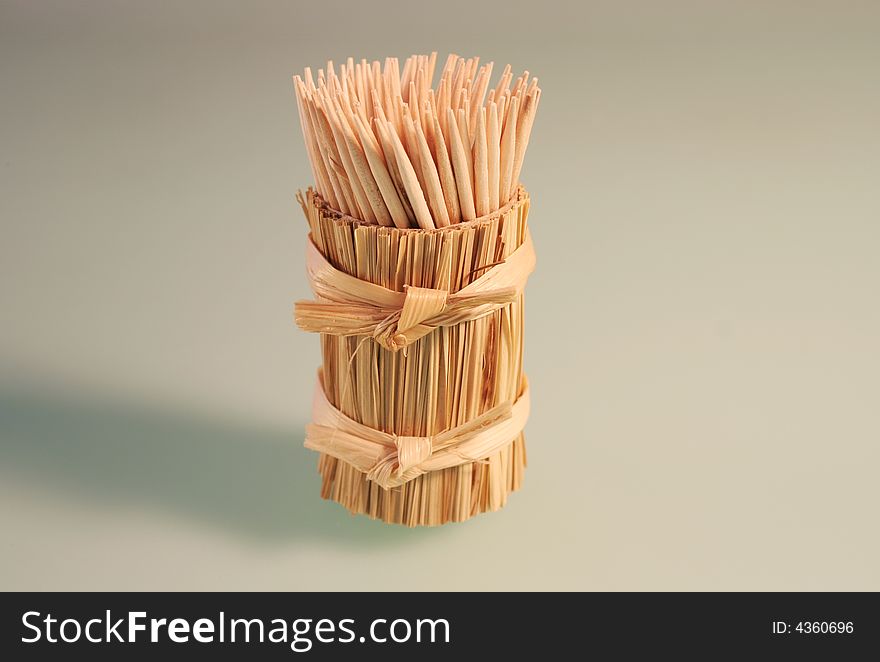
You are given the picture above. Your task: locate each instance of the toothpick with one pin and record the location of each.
(411, 183)
(508, 151)
(432, 180)
(387, 195)
(481, 165)
(387, 147)
(447, 177)
(493, 145)
(460, 164)
(523, 131)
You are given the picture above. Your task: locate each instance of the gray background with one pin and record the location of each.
(702, 328)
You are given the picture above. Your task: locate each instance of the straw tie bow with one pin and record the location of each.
(391, 460)
(408, 453)
(347, 306)
(419, 305)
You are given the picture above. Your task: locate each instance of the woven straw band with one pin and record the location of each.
(349, 306)
(391, 460)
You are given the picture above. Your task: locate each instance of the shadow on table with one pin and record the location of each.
(252, 481)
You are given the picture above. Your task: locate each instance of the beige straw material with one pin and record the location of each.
(451, 380)
(349, 306)
(391, 460)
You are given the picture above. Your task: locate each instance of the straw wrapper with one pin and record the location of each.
(429, 382)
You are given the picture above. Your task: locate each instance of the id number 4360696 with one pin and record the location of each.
(813, 627)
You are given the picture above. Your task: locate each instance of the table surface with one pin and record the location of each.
(701, 329)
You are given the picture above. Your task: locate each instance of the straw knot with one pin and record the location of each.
(402, 462)
(349, 306)
(390, 460)
(412, 451)
(419, 304)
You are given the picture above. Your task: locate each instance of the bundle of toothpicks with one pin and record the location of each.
(418, 255)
